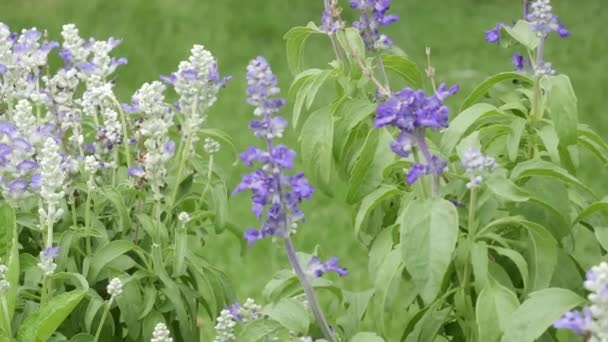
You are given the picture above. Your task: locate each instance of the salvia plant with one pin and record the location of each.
(476, 224)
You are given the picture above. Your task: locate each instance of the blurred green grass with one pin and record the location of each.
(159, 33)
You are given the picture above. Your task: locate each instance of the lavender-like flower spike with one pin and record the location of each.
(373, 16)
(161, 333)
(47, 260)
(592, 321)
(412, 112)
(224, 328)
(476, 166)
(543, 21)
(330, 21)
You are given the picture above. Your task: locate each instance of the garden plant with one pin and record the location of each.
(475, 221)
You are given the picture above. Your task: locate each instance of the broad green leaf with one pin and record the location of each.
(255, 331)
(518, 260)
(461, 123)
(356, 303)
(562, 105)
(550, 139)
(429, 230)
(587, 134)
(542, 255)
(289, 313)
(82, 337)
(367, 171)
(379, 249)
(75, 278)
(495, 305)
(366, 337)
(41, 323)
(296, 40)
(372, 200)
(538, 312)
(542, 168)
(484, 86)
(522, 32)
(105, 254)
(428, 326)
(351, 41)
(316, 141)
(93, 308)
(518, 125)
(405, 68)
(479, 261)
(306, 88)
(506, 189)
(597, 214)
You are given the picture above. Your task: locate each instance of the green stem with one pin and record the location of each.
(180, 169)
(382, 70)
(73, 206)
(103, 319)
(7, 317)
(424, 180)
(115, 168)
(125, 131)
(471, 231)
(209, 174)
(87, 223)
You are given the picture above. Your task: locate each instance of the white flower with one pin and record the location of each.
(4, 284)
(183, 217)
(224, 329)
(114, 288)
(52, 181)
(98, 95)
(24, 117)
(161, 334)
(476, 165)
(211, 146)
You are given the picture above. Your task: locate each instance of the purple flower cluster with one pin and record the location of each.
(273, 191)
(18, 166)
(330, 21)
(317, 268)
(412, 111)
(373, 16)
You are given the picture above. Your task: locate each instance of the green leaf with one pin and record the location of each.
(296, 40)
(484, 86)
(495, 305)
(518, 125)
(461, 123)
(82, 337)
(532, 168)
(518, 260)
(429, 230)
(356, 303)
(405, 68)
(550, 139)
(351, 41)
(256, 330)
(105, 254)
(41, 323)
(366, 337)
(367, 172)
(117, 200)
(316, 141)
(7, 230)
(428, 326)
(290, 313)
(506, 189)
(597, 215)
(371, 201)
(305, 87)
(479, 261)
(523, 33)
(562, 105)
(538, 312)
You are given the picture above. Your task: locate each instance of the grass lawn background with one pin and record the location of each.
(159, 33)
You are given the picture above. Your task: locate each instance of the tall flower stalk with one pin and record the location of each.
(276, 196)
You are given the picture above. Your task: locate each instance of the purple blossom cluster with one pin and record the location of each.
(330, 20)
(373, 17)
(412, 112)
(18, 165)
(273, 191)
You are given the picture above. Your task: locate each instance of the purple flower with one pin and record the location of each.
(273, 193)
(26, 165)
(318, 268)
(576, 321)
(493, 35)
(17, 186)
(189, 75)
(136, 171)
(169, 148)
(36, 181)
(171, 79)
(374, 16)
(519, 62)
(415, 172)
(235, 311)
(51, 252)
(330, 20)
(543, 21)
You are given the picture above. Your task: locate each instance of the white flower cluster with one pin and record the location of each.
(193, 83)
(183, 217)
(24, 117)
(250, 311)
(52, 181)
(47, 261)
(544, 69)
(114, 287)
(211, 146)
(224, 329)
(476, 165)
(597, 284)
(541, 17)
(161, 334)
(4, 284)
(157, 121)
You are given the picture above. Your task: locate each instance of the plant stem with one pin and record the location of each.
(125, 131)
(180, 169)
(430, 70)
(309, 291)
(417, 160)
(87, 223)
(103, 319)
(382, 70)
(471, 231)
(7, 318)
(209, 174)
(424, 148)
(366, 71)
